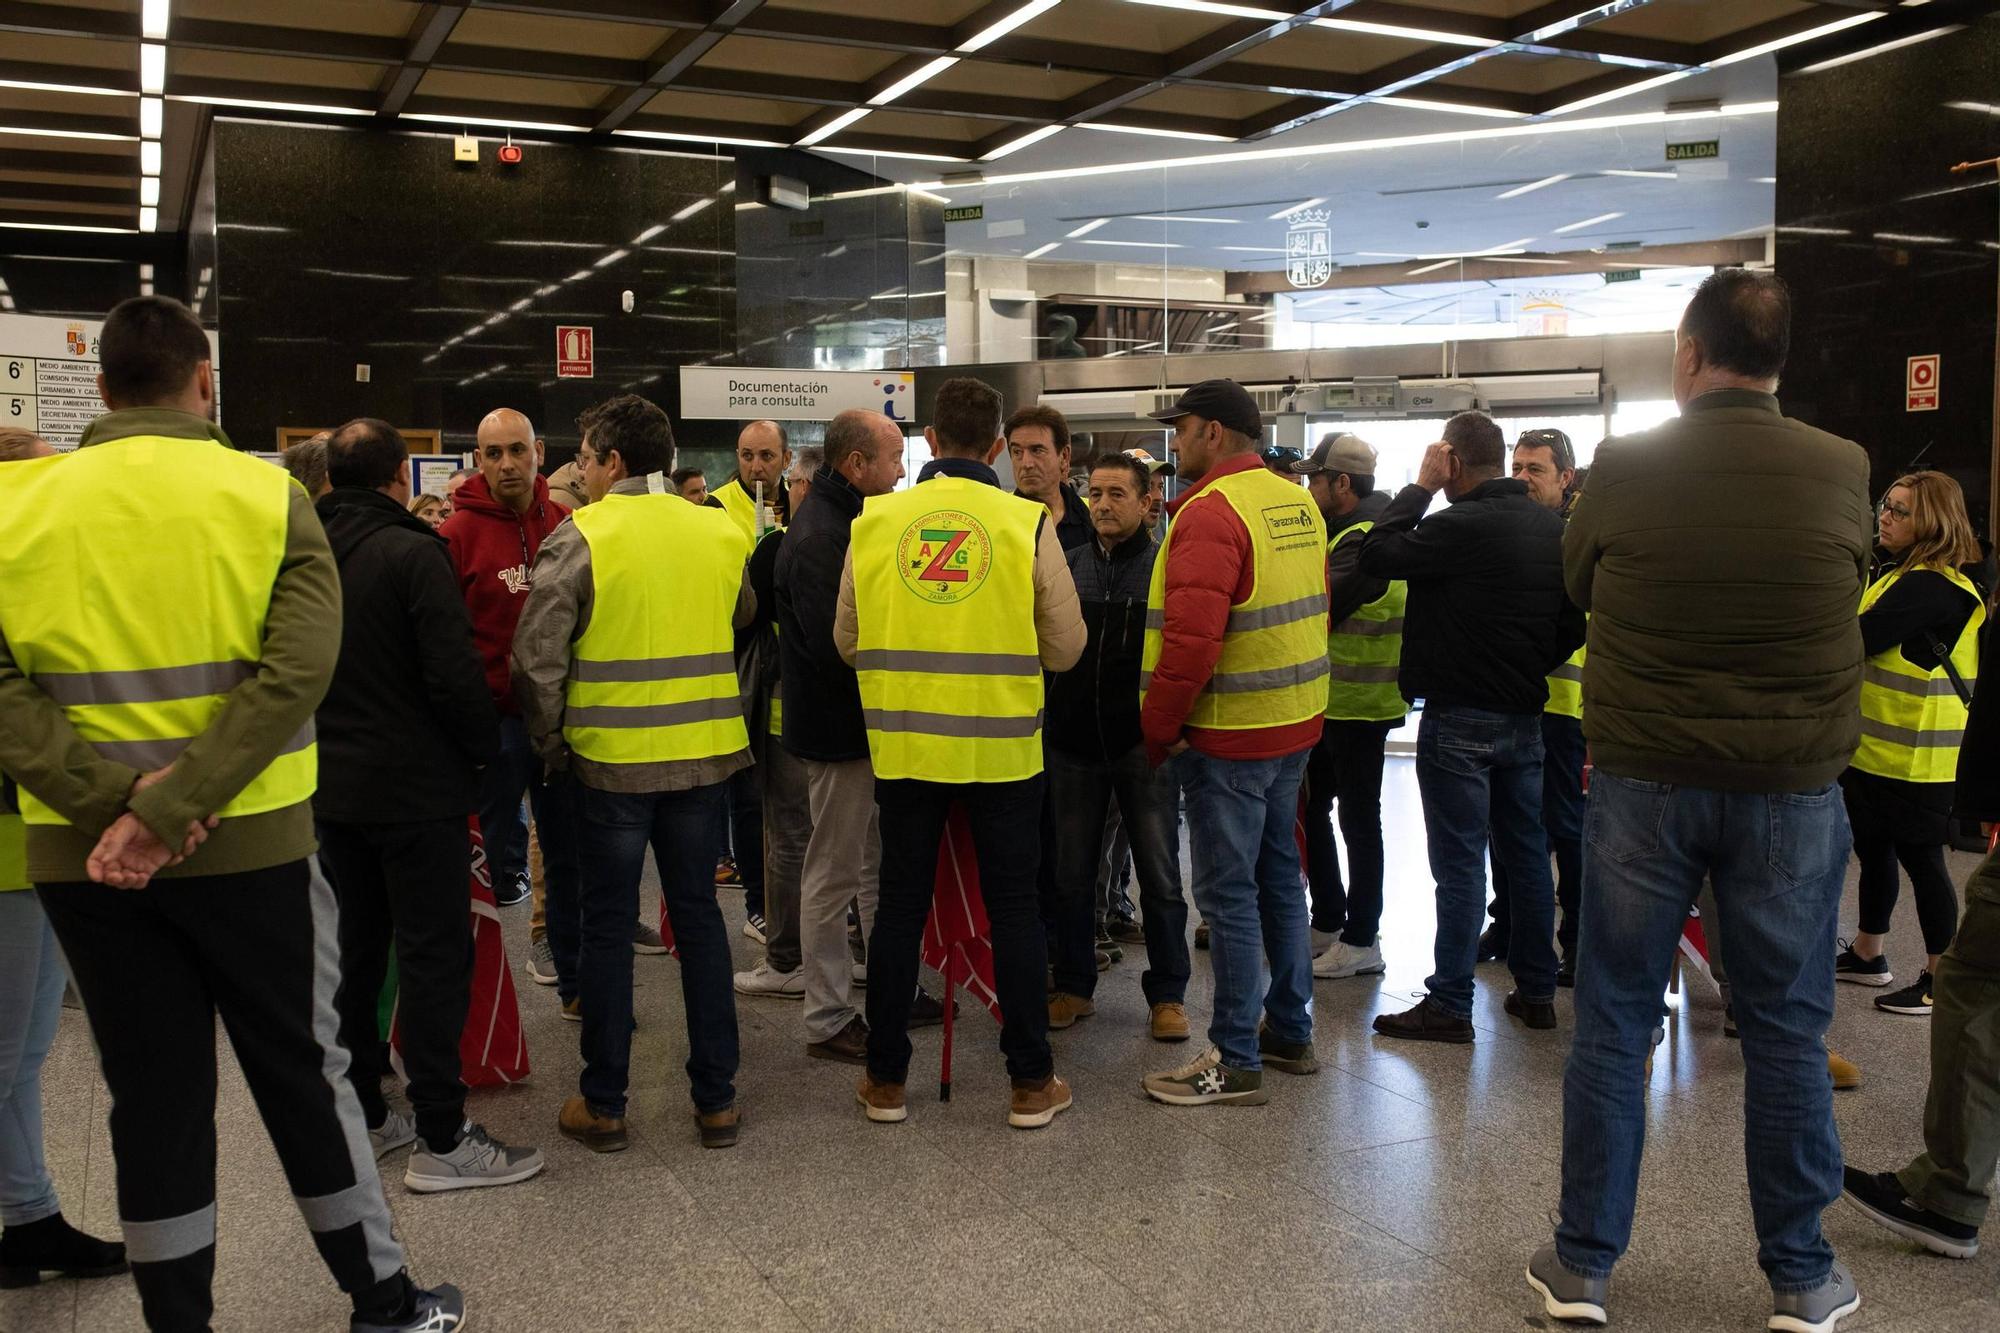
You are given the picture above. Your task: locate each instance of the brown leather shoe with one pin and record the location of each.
(599, 1133)
(1427, 1020)
(882, 1101)
(1844, 1072)
(718, 1128)
(1036, 1102)
(850, 1044)
(1170, 1022)
(1065, 1009)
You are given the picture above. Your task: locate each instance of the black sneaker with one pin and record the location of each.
(1729, 1022)
(1492, 945)
(1427, 1021)
(439, 1310)
(1539, 1014)
(1851, 966)
(1880, 1198)
(1125, 930)
(1566, 972)
(1284, 1056)
(927, 1011)
(509, 892)
(1913, 1000)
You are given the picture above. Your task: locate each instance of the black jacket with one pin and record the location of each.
(1348, 589)
(1978, 790)
(1487, 618)
(1093, 709)
(408, 718)
(822, 694)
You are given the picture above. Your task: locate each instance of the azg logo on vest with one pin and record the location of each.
(944, 556)
(1289, 525)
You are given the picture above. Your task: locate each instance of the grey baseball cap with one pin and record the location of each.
(1340, 453)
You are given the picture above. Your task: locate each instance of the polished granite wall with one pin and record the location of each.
(339, 247)
(1890, 256)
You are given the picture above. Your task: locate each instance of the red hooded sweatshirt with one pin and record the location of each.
(494, 549)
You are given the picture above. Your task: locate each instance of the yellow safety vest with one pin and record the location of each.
(140, 628)
(13, 847)
(944, 603)
(1566, 688)
(1273, 667)
(740, 505)
(1364, 653)
(1912, 721)
(653, 678)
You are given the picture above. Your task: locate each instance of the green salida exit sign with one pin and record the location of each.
(971, 213)
(1694, 152)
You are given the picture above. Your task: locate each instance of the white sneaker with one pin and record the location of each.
(398, 1131)
(859, 971)
(1322, 940)
(764, 979)
(753, 927)
(1347, 960)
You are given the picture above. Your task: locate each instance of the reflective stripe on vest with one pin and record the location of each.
(1912, 722)
(141, 644)
(1273, 667)
(1566, 688)
(653, 678)
(946, 650)
(1366, 651)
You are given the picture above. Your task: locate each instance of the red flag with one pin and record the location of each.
(492, 1049)
(957, 941)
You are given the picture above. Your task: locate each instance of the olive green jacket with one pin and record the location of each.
(1722, 558)
(42, 752)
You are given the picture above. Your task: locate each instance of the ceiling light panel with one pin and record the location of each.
(1413, 34)
(833, 127)
(152, 67)
(1027, 13)
(909, 81)
(152, 117)
(1016, 145)
(154, 15)
(1588, 222)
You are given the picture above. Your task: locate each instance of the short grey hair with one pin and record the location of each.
(806, 460)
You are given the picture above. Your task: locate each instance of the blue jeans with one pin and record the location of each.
(685, 830)
(1480, 775)
(1776, 861)
(1080, 792)
(31, 989)
(1242, 820)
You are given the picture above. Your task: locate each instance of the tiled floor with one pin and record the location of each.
(1401, 1188)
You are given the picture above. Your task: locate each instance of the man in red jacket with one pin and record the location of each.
(1235, 693)
(502, 515)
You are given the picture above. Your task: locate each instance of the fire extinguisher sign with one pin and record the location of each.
(576, 353)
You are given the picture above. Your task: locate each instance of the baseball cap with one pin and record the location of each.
(1340, 453)
(1225, 401)
(1154, 466)
(566, 486)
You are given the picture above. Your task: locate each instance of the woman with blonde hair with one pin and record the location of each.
(432, 509)
(1920, 623)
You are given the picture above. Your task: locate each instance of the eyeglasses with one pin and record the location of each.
(1886, 508)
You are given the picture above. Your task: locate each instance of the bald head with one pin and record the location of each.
(762, 454)
(509, 455)
(867, 449)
